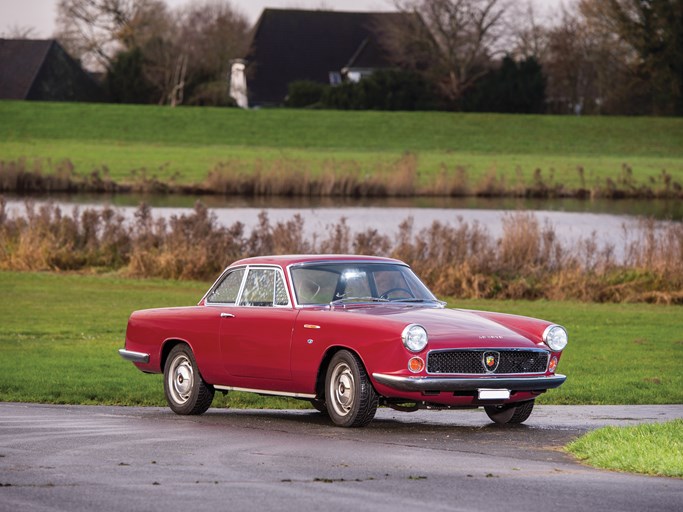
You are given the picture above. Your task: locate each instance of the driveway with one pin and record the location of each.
(76, 458)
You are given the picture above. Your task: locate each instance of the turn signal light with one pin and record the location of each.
(416, 364)
(553, 365)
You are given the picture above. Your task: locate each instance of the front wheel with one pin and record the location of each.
(185, 390)
(511, 413)
(350, 398)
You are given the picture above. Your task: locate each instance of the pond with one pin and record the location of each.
(658, 209)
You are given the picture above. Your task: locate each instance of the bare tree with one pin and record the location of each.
(451, 41)
(567, 66)
(19, 32)
(95, 30)
(155, 33)
(187, 52)
(184, 54)
(529, 37)
(212, 33)
(653, 33)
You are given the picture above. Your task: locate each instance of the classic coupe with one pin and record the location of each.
(348, 333)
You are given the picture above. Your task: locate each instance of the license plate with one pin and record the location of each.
(494, 394)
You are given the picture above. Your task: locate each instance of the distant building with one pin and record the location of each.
(40, 69)
(321, 46)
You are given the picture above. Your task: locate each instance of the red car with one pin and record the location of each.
(347, 333)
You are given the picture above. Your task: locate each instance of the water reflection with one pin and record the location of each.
(658, 209)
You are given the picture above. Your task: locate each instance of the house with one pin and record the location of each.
(40, 69)
(321, 46)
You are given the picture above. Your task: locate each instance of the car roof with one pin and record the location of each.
(294, 259)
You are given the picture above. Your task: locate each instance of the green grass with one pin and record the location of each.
(190, 141)
(59, 334)
(652, 449)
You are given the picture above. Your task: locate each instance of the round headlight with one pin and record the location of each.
(414, 337)
(555, 337)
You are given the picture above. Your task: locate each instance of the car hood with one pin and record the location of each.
(446, 326)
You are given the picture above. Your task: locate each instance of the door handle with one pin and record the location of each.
(227, 315)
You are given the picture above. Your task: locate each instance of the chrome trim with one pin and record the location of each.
(489, 349)
(458, 384)
(381, 261)
(134, 357)
(266, 392)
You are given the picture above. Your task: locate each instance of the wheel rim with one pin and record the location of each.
(342, 389)
(181, 379)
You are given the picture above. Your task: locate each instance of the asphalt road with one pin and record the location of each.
(80, 458)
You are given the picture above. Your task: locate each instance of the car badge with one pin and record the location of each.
(490, 361)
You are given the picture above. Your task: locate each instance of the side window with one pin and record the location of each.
(227, 290)
(281, 298)
(264, 287)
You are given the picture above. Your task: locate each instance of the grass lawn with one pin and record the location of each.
(653, 449)
(60, 333)
(189, 141)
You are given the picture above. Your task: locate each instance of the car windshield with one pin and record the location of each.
(325, 283)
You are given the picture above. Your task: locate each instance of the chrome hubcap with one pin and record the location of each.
(342, 389)
(181, 379)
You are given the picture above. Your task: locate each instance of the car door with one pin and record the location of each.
(256, 333)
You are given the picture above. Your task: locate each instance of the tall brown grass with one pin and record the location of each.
(528, 261)
(292, 177)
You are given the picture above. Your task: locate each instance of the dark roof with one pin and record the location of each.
(40, 69)
(292, 44)
(20, 62)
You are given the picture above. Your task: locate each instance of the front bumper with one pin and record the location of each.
(469, 384)
(134, 357)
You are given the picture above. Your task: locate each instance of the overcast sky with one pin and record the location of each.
(40, 14)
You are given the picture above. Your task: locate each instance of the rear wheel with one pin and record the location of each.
(511, 413)
(351, 400)
(185, 390)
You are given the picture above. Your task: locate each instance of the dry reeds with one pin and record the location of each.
(462, 259)
(292, 177)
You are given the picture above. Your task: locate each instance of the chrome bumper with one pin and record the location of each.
(134, 357)
(469, 383)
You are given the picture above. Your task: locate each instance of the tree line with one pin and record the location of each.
(590, 57)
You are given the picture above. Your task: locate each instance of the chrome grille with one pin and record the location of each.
(472, 361)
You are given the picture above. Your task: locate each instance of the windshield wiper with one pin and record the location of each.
(420, 301)
(344, 300)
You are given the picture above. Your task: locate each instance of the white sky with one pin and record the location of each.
(40, 14)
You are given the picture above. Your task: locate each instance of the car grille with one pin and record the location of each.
(472, 361)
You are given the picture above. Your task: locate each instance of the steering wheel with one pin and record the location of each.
(386, 294)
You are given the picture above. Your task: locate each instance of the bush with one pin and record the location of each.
(304, 93)
(125, 82)
(515, 88)
(383, 90)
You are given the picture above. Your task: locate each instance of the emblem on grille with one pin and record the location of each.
(490, 361)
